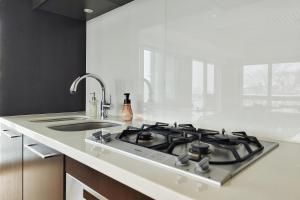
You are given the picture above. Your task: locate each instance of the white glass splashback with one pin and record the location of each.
(218, 64)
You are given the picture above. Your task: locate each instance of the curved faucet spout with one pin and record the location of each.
(104, 105)
(74, 85)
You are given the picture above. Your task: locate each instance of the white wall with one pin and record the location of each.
(232, 64)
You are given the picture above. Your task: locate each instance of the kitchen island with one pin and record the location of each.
(274, 177)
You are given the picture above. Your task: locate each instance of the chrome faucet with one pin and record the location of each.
(104, 105)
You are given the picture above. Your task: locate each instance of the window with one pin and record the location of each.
(147, 74)
(286, 79)
(275, 87)
(197, 85)
(210, 79)
(147, 65)
(255, 80)
(203, 84)
(197, 78)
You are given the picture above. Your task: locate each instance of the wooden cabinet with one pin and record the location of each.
(75, 8)
(43, 172)
(100, 183)
(32, 171)
(10, 164)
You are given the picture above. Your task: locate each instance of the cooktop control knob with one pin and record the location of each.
(103, 138)
(203, 165)
(182, 160)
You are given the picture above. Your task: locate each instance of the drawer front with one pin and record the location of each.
(43, 172)
(11, 154)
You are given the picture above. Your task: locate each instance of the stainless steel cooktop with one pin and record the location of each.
(211, 156)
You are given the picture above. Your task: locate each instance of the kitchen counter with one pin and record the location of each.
(275, 176)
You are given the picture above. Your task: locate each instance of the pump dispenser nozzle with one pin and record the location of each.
(127, 100)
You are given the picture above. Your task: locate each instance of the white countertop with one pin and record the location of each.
(275, 176)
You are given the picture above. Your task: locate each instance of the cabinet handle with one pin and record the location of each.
(89, 196)
(42, 151)
(10, 134)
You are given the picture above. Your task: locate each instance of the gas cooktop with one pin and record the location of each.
(209, 155)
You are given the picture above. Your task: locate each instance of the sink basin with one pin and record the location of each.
(43, 120)
(83, 126)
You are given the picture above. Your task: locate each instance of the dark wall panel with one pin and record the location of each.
(40, 55)
(75, 8)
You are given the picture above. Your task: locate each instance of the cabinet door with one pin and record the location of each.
(43, 172)
(10, 164)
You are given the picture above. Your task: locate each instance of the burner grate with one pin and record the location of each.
(165, 138)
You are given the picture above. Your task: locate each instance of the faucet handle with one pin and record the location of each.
(109, 103)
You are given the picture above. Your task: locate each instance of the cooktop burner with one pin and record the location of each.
(221, 148)
(213, 155)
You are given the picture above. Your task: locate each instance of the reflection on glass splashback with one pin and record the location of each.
(273, 87)
(255, 80)
(203, 87)
(210, 79)
(286, 87)
(286, 79)
(197, 85)
(217, 64)
(147, 55)
(147, 65)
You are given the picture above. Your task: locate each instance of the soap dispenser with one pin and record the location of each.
(127, 111)
(93, 106)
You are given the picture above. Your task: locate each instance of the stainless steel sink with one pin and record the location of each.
(44, 120)
(83, 126)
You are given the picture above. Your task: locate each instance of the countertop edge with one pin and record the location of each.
(153, 190)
